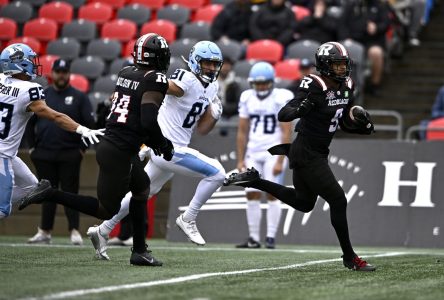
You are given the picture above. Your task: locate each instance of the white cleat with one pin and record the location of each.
(76, 238)
(99, 242)
(190, 230)
(40, 237)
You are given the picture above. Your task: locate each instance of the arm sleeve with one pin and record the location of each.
(149, 113)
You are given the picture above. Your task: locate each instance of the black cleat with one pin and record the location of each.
(358, 264)
(144, 259)
(36, 196)
(242, 179)
(250, 243)
(270, 243)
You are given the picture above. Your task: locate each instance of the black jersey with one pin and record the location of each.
(123, 125)
(330, 105)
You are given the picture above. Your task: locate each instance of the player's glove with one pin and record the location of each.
(144, 153)
(90, 134)
(304, 107)
(362, 118)
(216, 108)
(166, 150)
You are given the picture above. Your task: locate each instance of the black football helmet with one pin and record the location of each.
(151, 50)
(327, 54)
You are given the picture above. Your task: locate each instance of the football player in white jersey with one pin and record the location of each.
(191, 104)
(19, 99)
(259, 129)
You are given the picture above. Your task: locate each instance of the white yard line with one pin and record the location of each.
(107, 289)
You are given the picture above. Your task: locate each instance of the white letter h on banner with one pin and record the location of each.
(423, 184)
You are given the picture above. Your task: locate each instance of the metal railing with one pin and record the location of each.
(417, 128)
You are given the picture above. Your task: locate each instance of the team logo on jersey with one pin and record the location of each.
(68, 100)
(330, 95)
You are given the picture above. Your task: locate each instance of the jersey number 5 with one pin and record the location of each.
(6, 110)
(335, 120)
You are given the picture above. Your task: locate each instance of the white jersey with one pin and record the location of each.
(15, 96)
(178, 116)
(265, 130)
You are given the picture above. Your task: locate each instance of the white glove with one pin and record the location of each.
(144, 153)
(89, 134)
(216, 108)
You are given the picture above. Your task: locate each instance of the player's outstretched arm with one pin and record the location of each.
(40, 108)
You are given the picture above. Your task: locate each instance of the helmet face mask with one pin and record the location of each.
(20, 59)
(205, 60)
(329, 59)
(261, 79)
(151, 51)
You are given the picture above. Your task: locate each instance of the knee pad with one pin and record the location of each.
(219, 176)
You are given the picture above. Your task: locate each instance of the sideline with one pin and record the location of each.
(107, 289)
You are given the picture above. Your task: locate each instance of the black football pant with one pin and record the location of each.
(310, 181)
(62, 169)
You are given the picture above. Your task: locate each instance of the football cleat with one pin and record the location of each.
(270, 243)
(190, 230)
(243, 179)
(99, 242)
(357, 264)
(76, 238)
(250, 243)
(41, 237)
(37, 195)
(144, 259)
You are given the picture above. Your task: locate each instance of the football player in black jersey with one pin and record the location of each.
(323, 102)
(139, 92)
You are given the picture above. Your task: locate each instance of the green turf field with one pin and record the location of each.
(216, 271)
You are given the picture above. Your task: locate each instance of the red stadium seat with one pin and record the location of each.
(435, 134)
(128, 49)
(80, 82)
(121, 30)
(98, 13)
(46, 61)
(44, 30)
(191, 4)
(165, 28)
(61, 12)
(8, 30)
(153, 4)
(207, 13)
(288, 69)
(30, 41)
(268, 50)
(3, 2)
(115, 4)
(300, 12)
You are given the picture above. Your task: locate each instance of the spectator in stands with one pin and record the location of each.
(274, 20)
(57, 153)
(319, 26)
(229, 90)
(413, 14)
(367, 21)
(437, 111)
(233, 22)
(306, 67)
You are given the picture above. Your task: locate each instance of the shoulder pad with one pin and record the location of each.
(320, 81)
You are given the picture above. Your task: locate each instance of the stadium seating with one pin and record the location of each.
(176, 63)
(120, 29)
(433, 134)
(300, 12)
(42, 29)
(128, 49)
(197, 31)
(18, 11)
(165, 28)
(98, 13)
(61, 12)
(137, 13)
(89, 66)
(116, 65)
(207, 13)
(152, 4)
(267, 50)
(104, 48)
(82, 30)
(46, 61)
(8, 31)
(288, 69)
(80, 82)
(30, 41)
(105, 84)
(182, 47)
(75, 3)
(67, 48)
(221, 2)
(179, 15)
(231, 48)
(115, 4)
(191, 4)
(97, 97)
(242, 68)
(303, 49)
(35, 3)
